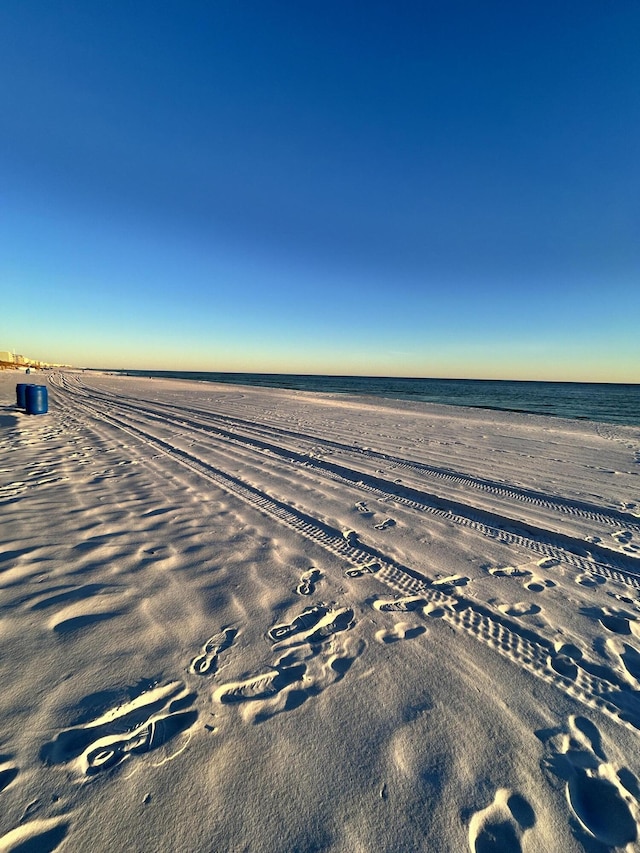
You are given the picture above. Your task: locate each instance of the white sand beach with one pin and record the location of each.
(246, 619)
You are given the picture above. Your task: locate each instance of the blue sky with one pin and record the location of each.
(421, 189)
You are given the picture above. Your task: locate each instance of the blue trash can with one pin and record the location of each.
(21, 395)
(37, 400)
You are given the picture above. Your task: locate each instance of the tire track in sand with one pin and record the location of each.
(591, 684)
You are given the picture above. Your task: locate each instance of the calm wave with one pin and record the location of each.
(580, 400)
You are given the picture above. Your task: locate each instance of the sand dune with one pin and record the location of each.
(247, 619)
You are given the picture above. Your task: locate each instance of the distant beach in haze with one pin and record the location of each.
(593, 401)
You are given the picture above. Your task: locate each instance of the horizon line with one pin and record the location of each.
(358, 376)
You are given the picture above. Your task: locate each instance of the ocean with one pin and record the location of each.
(609, 403)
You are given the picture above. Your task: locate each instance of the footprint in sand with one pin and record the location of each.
(400, 605)
(293, 679)
(520, 608)
(400, 631)
(603, 802)
(536, 584)
(625, 599)
(509, 572)
(628, 661)
(533, 582)
(564, 666)
(563, 660)
(587, 579)
(111, 750)
(309, 617)
(366, 569)
(144, 723)
(286, 672)
(622, 537)
(384, 525)
(207, 662)
(314, 625)
(308, 581)
(335, 622)
(451, 581)
(8, 773)
(336, 661)
(568, 650)
(501, 826)
(616, 621)
(37, 836)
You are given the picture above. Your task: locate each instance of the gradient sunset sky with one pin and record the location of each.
(436, 189)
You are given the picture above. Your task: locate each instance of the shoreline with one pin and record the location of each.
(374, 399)
(615, 409)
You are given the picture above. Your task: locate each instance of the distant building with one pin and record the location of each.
(10, 360)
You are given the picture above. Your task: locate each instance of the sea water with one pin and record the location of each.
(610, 403)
